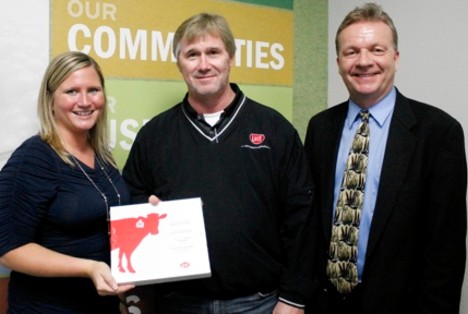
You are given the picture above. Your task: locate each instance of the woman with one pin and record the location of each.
(55, 194)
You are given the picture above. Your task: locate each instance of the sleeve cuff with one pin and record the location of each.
(291, 302)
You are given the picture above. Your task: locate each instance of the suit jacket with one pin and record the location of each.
(415, 258)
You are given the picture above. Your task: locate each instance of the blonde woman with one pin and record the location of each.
(55, 195)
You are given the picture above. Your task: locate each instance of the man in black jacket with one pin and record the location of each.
(247, 164)
(409, 256)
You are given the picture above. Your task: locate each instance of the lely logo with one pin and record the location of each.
(256, 139)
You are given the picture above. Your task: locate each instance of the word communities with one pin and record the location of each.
(154, 45)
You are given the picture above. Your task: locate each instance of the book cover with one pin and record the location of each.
(162, 243)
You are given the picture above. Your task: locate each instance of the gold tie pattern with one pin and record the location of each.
(341, 267)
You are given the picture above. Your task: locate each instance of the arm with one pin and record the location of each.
(297, 231)
(28, 183)
(35, 260)
(283, 308)
(445, 252)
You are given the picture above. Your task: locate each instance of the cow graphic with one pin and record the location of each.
(127, 234)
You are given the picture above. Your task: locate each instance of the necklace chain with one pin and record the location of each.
(104, 197)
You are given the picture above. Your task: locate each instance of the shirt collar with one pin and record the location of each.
(380, 112)
(228, 111)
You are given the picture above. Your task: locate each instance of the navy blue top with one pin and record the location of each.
(46, 201)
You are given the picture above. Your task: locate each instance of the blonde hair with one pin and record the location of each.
(57, 72)
(200, 25)
(368, 12)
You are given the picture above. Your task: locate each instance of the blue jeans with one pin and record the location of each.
(176, 303)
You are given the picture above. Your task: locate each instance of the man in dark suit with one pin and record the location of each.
(410, 225)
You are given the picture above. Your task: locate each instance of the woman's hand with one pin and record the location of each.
(100, 274)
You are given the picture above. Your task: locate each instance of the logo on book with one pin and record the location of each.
(127, 234)
(185, 265)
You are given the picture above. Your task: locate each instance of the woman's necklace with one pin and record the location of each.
(104, 197)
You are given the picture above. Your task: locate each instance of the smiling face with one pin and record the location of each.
(77, 102)
(205, 65)
(367, 61)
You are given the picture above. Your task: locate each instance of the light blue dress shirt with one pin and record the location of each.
(379, 123)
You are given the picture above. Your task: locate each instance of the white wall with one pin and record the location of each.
(433, 46)
(24, 51)
(24, 54)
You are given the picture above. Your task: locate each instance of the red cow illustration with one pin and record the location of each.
(127, 234)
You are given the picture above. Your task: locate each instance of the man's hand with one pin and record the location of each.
(153, 200)
(283, 308)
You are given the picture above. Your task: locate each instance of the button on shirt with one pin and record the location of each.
(379, 123)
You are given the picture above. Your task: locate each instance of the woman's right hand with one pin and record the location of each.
(100, 274)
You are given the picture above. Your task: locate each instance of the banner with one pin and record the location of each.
(132, 42)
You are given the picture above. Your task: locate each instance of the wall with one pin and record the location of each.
(27, 42)
(310, 61)
(24, 54)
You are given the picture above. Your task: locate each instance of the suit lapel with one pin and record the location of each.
(398, 153)
(331, 144)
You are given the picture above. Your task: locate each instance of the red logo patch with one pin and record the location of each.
(184, 264)
(256, 139)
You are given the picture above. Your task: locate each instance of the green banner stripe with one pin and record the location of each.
(283, 4)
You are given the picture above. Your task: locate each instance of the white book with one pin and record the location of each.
(162, 243)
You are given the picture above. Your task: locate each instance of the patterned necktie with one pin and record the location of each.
(341, 267)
